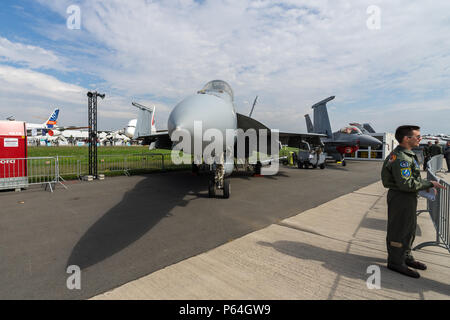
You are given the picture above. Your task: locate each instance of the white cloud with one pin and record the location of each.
(30, 96)
(28, 55)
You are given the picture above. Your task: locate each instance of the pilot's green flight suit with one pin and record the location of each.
(401, 174)
(435, 149)
(426, 156)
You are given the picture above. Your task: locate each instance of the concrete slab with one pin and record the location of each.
(322, 253)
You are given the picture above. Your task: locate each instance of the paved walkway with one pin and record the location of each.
(322, 253)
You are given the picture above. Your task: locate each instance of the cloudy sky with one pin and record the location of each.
(289, 53)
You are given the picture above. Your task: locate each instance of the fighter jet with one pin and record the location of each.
(339, 143)
(214, 107)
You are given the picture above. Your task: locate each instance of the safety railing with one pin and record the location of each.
(435, 164)
(439, 209)
(20, 173)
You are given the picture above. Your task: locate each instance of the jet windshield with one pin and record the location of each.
(351, 130)
(218, 86)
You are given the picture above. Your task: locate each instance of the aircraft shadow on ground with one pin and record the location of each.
(140, 210)
(151, 200)
(333, 261)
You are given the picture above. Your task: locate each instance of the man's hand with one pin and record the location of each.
(437, 185)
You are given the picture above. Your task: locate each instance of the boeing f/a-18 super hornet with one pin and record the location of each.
(337, 144)
(214, 108)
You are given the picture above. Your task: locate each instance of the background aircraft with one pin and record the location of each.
(45, 127)
(49, 127)
(337, 144)
(214, 107)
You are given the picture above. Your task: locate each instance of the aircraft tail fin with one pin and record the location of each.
(309, 125)
(368, 127)
(52, 120)
(321, 120)
(145, 125)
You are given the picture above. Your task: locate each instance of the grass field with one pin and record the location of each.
(73, 161)
(83, 151)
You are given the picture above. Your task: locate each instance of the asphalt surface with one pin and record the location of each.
(123, 228)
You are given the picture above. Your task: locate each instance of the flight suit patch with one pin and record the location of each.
(396, 244)
(404, 164)
(406, 173)
(392, 157)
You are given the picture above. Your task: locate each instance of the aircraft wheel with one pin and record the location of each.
(212, 188)
(344, 163)
(322, 166)
(226, 188)
(314, 166)
(258, 168)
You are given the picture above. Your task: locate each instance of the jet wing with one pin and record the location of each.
(245, 123)
(69, 128)
(286, 138)
(161, 138)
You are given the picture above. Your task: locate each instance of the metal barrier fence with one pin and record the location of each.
(439, 209)
(21, 173)
(436, 163)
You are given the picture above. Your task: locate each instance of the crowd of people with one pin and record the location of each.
(431, 150)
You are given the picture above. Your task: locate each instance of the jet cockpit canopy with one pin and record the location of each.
(218, 88)
(351, 130)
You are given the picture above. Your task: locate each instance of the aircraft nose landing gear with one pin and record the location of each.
(218, 181)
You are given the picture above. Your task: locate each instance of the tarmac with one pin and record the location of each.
(327, 252)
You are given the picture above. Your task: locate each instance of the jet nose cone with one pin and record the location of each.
(208, 111)
(370, 141)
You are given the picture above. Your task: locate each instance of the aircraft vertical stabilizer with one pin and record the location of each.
(145, 125)
(368, 127)
(321, 120)
(52, 120)
(309, 125)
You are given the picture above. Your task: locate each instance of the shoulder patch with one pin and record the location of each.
(404, 164)
(406, 173)
(392, 157)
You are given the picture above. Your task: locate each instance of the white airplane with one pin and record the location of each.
(148, 117)
(50, 129)
(45, 127)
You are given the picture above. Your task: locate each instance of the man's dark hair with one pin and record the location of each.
(404, 131)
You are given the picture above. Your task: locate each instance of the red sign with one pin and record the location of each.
(13, 149)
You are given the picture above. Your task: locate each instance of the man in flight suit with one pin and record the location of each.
(447, 155)
(435, 149)
(426, 155)
(401, 174)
